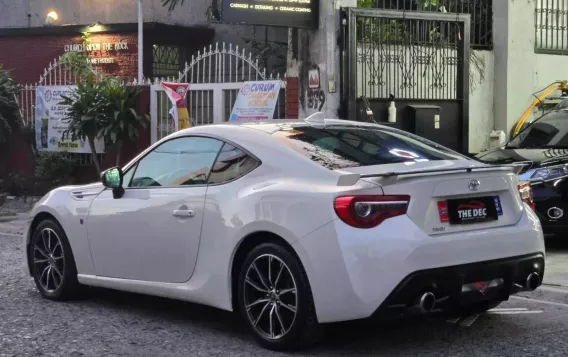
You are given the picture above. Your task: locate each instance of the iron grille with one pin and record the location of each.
(551, 22)
(481, 12)
(407, 58)
(166, 61)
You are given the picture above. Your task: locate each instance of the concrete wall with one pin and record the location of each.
(14, 13)
(75, 12)
(481, 93)
(319, 50)
(519, 71)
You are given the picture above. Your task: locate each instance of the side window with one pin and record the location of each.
(128, 176)
(231, 164)
(179, 162)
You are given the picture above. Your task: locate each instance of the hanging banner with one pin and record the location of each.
(177, 92)
(51, 122)
(256, 101)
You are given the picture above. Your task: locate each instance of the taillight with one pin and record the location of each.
(525, 190)
(370, 211)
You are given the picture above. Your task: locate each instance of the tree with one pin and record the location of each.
(9, 92)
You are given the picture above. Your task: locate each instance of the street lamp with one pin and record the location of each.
(140, 42)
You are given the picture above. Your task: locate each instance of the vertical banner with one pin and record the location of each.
(177, 92)
(51, 122)
(256, 101)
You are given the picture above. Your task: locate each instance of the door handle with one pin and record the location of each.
(184, 213)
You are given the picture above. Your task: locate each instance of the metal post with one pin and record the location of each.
(140, 42)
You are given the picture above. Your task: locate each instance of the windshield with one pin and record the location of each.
(338, 146)
(550, 131)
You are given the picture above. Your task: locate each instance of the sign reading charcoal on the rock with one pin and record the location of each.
(287, 13)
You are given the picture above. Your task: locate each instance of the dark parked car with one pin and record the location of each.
(543, 146)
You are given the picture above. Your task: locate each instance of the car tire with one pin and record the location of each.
(475, 308)
(277, 305)
(52, 264)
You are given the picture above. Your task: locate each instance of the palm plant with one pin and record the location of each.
(121, 121)
(172, 4)
(86, 120)
(9, 92)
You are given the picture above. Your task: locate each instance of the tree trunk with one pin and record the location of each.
(94, 154)
(118, 152)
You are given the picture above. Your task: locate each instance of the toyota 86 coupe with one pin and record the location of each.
(294, 224)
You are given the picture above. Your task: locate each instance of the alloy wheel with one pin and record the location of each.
(48, 260)
(270, 297)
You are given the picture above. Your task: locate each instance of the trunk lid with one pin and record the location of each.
(433, 193)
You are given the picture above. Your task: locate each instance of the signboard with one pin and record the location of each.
(98, 49)
(256, 101)
(51, 122)
(177, 93)
(287, 13)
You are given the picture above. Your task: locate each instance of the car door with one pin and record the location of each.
(152, 233)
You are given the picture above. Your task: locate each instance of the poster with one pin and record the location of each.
(177, 93)
(51, 122)
(256, 101)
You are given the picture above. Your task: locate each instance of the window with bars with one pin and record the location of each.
(481, 12)
(551, 22)
(167, 61)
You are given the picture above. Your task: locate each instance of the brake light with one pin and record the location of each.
(525, 190)
(370, 211)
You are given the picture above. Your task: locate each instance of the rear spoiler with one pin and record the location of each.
(350, 179)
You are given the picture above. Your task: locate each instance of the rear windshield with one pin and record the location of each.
(337, 147)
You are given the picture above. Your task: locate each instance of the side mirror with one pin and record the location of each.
(112, 178)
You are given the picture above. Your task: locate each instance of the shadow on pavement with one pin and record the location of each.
(427, 333)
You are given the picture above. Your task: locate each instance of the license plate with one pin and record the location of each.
(473, 210)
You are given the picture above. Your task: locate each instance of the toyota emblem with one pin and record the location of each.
(474, 185)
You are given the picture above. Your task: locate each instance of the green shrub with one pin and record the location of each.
(55, 168)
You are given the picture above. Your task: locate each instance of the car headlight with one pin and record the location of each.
(550, 173)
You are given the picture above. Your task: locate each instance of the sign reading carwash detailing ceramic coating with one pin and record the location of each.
(256, 101)
(286, 13)
(51, 121)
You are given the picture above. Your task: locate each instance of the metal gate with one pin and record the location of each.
(215, 75)
(415, 57)
(56, 73)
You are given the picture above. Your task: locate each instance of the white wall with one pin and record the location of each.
(481, 117)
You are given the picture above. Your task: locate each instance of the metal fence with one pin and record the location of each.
(55, 74)
(481, 12)
(551, 24)
(215, 75)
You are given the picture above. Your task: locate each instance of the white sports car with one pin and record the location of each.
(294, 224)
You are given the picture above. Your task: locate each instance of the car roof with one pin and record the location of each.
(272, 126)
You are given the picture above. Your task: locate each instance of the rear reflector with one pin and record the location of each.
(443, 209)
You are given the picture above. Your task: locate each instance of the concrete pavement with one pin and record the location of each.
(109, 323)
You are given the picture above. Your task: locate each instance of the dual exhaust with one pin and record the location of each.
(427, 301)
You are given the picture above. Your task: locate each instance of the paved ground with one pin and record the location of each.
(119, 324)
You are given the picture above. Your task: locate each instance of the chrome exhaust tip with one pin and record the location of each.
(532, 282)
(427, 302)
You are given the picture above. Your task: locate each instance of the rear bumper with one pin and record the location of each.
(353, 272)
(447, 284)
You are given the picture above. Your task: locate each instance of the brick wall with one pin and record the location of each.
(292, 98)
(28, 56)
